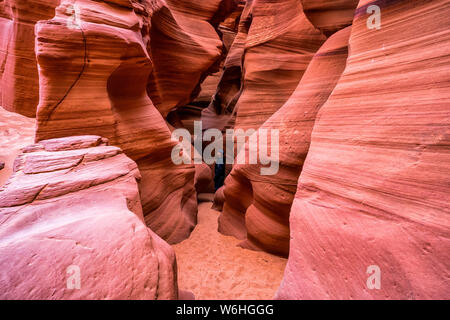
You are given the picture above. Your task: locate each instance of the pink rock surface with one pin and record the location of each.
(185, 48)
(73, 205)
(98, 72)
(330, 15)
(16, 132)
(278, 48)
(19, 81)
(374, 188)
(261, 213)
(221, 112)
(219, 199)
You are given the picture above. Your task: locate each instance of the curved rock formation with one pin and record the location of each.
(220, 113)
(71, 227)
(94, 66)
(19, 81)
(204, 178)
(219, 199)
(261, 214)
(373, 196)
(185, 48)
(330, 15)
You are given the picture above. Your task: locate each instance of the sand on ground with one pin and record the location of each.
(213, 267)
(16, 132)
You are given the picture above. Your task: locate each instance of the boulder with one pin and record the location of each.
(71, 227)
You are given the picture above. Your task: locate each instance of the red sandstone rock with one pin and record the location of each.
(278, 48)
(73, 205)
(204, 178)
(19, 82)
(185, 48)
(261, 213)
(219, 199)
(330, 15)
(98, 73)
(221, 112)
(374, 188)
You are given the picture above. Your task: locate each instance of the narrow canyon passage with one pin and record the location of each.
(212, 266)
(318, 130)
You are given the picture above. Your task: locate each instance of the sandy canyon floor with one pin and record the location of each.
(213, 267)
(210, 265)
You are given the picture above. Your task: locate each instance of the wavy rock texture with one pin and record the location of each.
(185, 48)
(279, 46)
(19, 80)
(98, 72)
(262, 215)
(374, 188)
(16, 132)
(75, 202)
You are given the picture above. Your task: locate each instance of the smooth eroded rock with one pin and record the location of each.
(71, 227)
(374, 193)
(93, 78)
(260, 214)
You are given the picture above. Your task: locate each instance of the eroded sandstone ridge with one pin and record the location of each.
(98, 70)
(374, 188)
(71, 218)
(257, 207)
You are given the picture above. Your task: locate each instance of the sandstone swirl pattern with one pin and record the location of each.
(374, 189)
(185, 48)
(98, 73)
(257, 207)
(74, 202)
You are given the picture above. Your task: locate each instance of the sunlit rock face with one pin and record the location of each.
(94, 68)
(373, 194)
(19, 81)
(260, 215)
(71, 227)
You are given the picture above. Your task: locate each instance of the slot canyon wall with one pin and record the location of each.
(75, 202)
(374, 190)
(362, 114)
(279, 94)
(19, 80)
